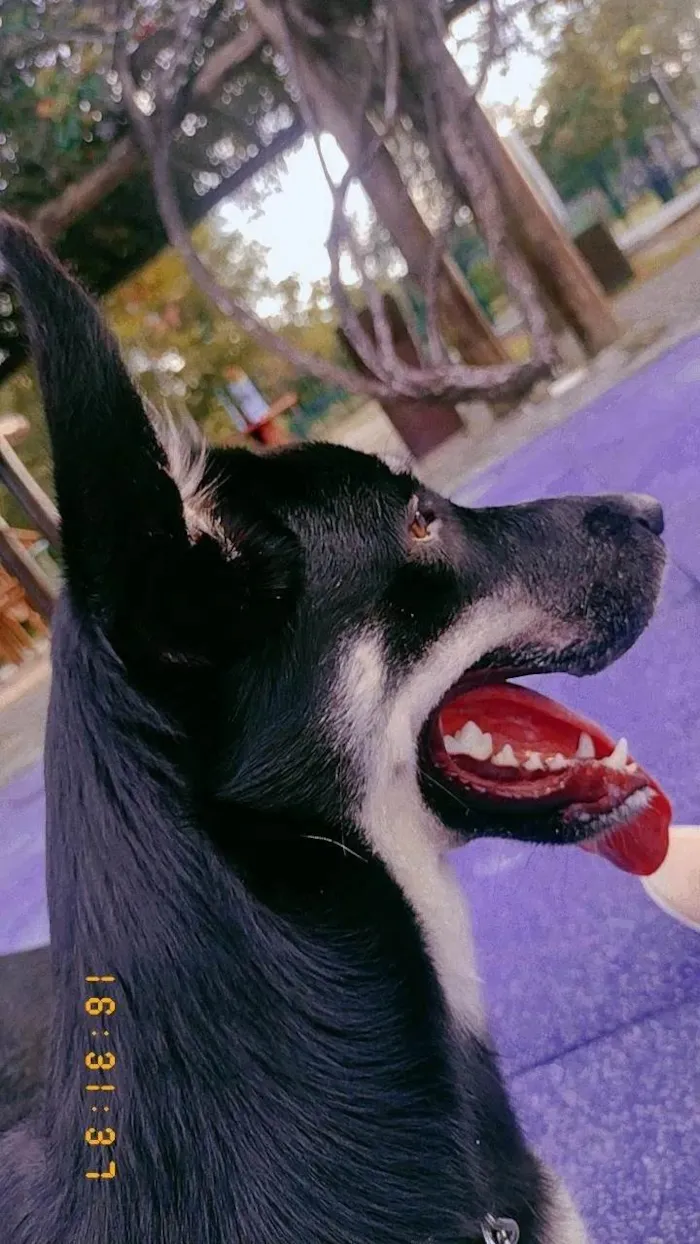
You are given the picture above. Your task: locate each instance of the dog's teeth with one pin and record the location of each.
(468, 733)
(534, 762)
(480, 746)
(505, 757)
(469, 741)
(557, 762)
(475, 742)
(586, 747)
(619, 757)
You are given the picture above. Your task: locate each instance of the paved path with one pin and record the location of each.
(670, 296)
(23, 717)
(594, 994)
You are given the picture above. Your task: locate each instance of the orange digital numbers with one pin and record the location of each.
(93, 1136)
(100, 1006)
(100, 1062)
(108, 1174)
(105, 1061)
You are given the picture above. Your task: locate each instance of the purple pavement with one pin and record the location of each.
(24, 921)
(594, 994)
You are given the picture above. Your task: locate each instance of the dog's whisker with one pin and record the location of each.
(435, 781)
(342, 846)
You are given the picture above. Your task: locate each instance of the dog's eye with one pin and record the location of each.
(422, 522)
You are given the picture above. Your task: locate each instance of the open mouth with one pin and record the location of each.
(505, 749)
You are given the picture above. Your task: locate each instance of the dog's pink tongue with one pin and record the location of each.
(639, 847)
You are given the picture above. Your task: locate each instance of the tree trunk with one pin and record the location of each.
(472, 332)
(562, 273)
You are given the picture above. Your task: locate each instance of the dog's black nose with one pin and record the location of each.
(645, 510)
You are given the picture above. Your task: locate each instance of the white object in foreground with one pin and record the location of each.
(675, 886)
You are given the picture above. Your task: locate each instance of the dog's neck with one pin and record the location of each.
(250, 1033)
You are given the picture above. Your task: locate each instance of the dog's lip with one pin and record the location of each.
(484, 675)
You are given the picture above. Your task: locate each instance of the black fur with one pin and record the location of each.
(25, 1008)
(287, 1070)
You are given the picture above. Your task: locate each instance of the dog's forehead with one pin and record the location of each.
(327, 480)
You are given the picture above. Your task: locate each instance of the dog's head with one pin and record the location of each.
(332, 638)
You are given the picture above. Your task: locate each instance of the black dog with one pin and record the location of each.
(250, 797)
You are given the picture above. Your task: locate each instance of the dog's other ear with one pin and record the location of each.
(143, 553)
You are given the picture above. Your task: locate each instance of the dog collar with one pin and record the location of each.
(500, 1230)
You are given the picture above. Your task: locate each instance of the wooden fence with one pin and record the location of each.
(27, 594)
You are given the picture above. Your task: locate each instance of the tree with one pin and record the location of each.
(582, 98)
(59, 110)
(598, 95)
(175, 341)
(64, 85)
(180, 347)
(351, 61)
(66, 158)
(208, 85)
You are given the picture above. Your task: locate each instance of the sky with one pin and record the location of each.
(294, 222)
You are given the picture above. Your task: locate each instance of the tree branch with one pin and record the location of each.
(469, 167)
(377, 353)
(221, 60)
(488, 57)
(54, 217)
(125, 157)
(391, 376)
(437, 350)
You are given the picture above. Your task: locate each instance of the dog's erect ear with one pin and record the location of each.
(142, 548)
